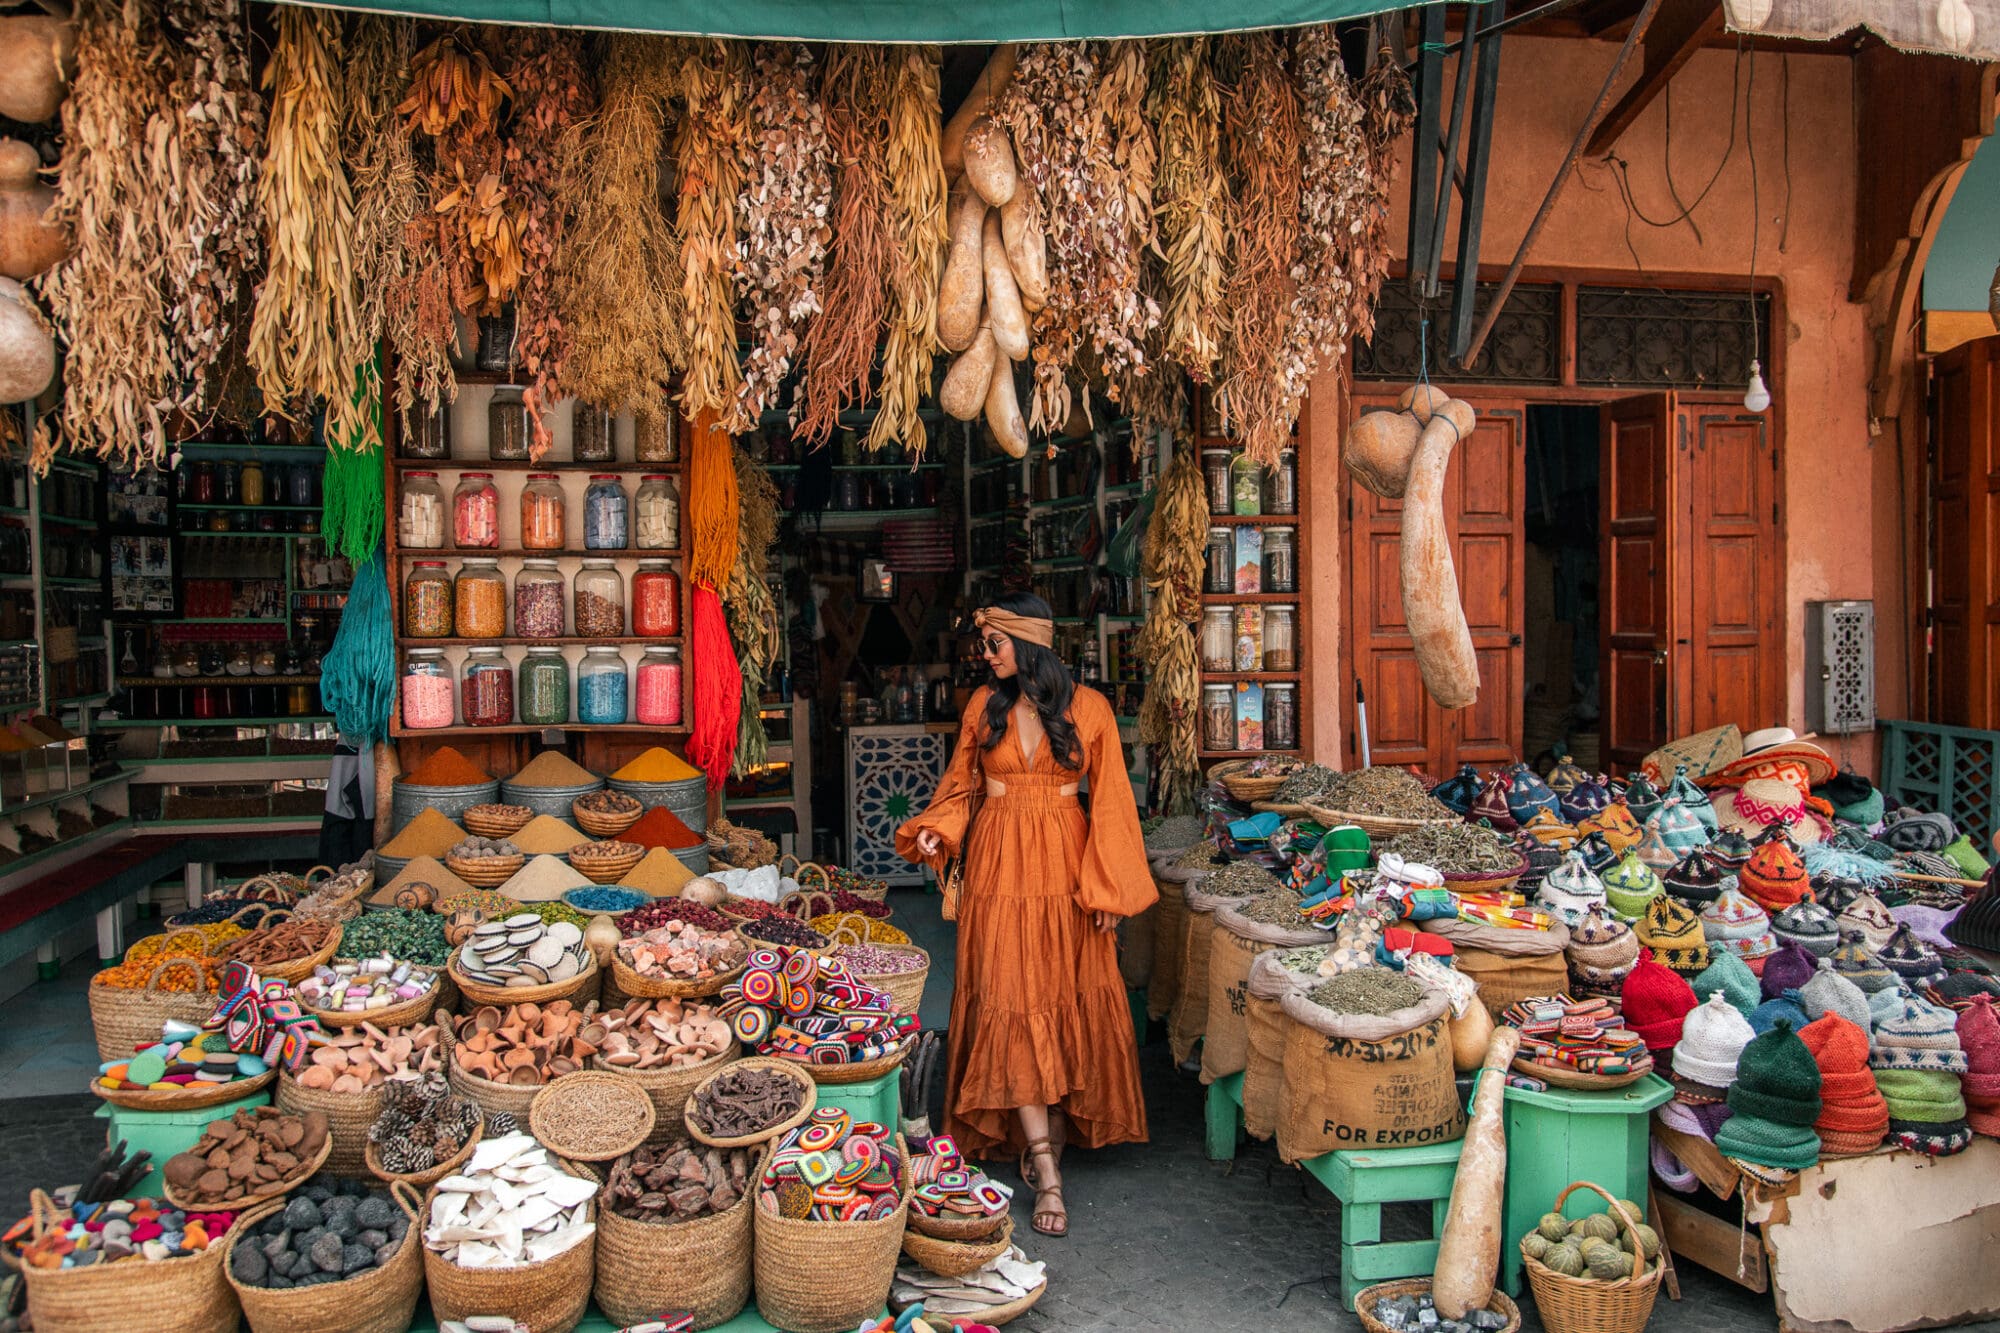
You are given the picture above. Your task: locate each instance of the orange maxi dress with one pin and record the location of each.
(1038, 1011)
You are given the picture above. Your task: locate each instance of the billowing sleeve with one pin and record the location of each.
(1114, 877)
(951, 804)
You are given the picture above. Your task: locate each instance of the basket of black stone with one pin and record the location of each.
(338, 1258)
(673, 1233)
(1405, 1306)
(743, 1104)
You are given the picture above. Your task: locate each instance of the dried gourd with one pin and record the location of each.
(992, 80)
(1027, 249)
(27, 353)
(37, 59)
(989, 162)
(1003, 412)
(28, 245)
(1431, 606)
(962, 292)
(963, 396)
(1004, 314)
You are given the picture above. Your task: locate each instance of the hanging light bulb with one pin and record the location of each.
(1756, 397)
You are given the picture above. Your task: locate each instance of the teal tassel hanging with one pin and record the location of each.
(352, 512)
(358, 676)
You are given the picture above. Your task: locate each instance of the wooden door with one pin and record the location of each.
(1638, 620)
(1964, 668)
(1485, 487)
(1732, 668)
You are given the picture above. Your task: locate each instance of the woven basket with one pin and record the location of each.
(424, 1179)
(1486, 881)
(1588, 1305)
(858, 1071)
(548, 1297)
(600, 825)
(579, 990)
(591, 1116)
(235, 1202)
(442, 995)
(906, 987)
(485, 872)
(997, 1316)
(349, 1115)
(298, 969)
(792, 1122)
(634, 986)
(195, 1098)
(189, 1295)
(702, 1266)
(378, 1301)
(1562, 1076)
(604, 869)
(515, 1099)
(1375, 826)
(952, 1226)
(670, 1088)
(1365, 1299)
(956, 1258)
(827, 1277)
(494, 820)
(128, 1019)
(1243, 787)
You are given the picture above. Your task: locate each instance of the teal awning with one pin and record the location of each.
(944, 21)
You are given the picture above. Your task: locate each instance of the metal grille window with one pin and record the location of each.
(1645, 337)
(1524, 348)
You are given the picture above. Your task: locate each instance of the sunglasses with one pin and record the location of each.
(992, 644)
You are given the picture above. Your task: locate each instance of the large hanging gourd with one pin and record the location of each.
(28, 245)
(27, 353)
(37, 57)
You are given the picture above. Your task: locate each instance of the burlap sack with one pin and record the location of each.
(1234, 943)
(1509, 965)
(1190, 1010)
(1136, 936)
(1169, 942)
(1264, 1061)
(1366, 1082)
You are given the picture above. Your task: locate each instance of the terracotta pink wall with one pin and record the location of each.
(1804, 209)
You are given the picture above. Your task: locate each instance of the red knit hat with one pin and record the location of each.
(1979, 1035)
(1774, 877)
(1853, 1117)
(1655, 999)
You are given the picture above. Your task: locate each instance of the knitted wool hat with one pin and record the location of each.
(1868, 915)
(1907, 956)
(1528, 795)
(1562, 779)
(1831, 993)
(1961, 852)
(1927, 1112)
(1959, 989)
(1680, 823)
(1491, 805)
(1852, 1115)
(1776, 1079)
(1655, 1003)
(1673, 932)
(1603, 943)
(1585, 799)
(1836, 892)
(1550, 831)
(1979, 1037)
(1653, 849)
(1854, 798)
(1597, 852)
(1808, 925)
(1713, 1035)
(1730, 849)
(1641, 796)
(1755, 1142)
(1773, 833)
(1918, 1035)
(1617, 825)
(1697, 877)
(1542, 858)
(1735, 923)
(1910, 830)
(1786, 971)
(1629, 886)
(1459, 792)
(1691, 797)
(1570, 889)
(1774, 877)
(1732, 978)
(1783, 1009)
(1857, 962)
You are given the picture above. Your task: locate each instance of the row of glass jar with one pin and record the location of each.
(612, 520)
(593, 433)
(493, 692)
(1238, 486)
(1265, 718)
(1247, 559)
(222, 482)
(474, 604)
(1249, 638)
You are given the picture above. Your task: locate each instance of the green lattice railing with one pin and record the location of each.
(1955, 770)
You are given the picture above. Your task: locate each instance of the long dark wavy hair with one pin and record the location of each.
(1041, 673)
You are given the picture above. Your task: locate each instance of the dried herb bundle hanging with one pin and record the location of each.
(748, 605)
(306, 336)
(863, 269)
(786, 207)
(1387, 109)
(1172, 564)
(1333, 194)
(208, 217)
(618, 273)
(916, 194)
(1260, 153)
(715, 82)
(552, 96)
(455, 99)
(1194, 203)
(106, 299)
(1121, 95)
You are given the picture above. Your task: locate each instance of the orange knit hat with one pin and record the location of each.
(1853, 1116)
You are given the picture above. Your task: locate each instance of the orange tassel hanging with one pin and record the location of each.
(711, 504)
(718, 689)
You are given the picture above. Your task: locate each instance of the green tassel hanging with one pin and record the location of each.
(358, 674)
(352, 512)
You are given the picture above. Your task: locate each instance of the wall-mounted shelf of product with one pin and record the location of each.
(625, 468)
(568, 641)
(396, 728)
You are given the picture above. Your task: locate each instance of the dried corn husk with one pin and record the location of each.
(916, 194)
(619, 274)
(455, 100)
(715, 81)
(1194, 201)
(786, 209)
(748, 606)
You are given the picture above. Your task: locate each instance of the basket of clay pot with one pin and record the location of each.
(378, 1301)
(488, 1077)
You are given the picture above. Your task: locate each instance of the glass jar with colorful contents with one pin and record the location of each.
(486, 688)
(420, 513)
(542, 519)
(426, 689)
(507, 425)
(656, 600)
(427, 598)
(600, 687)
(607, 513)
(593, 434)
(658, 513)
(479, 599)
(599, 603)
(539, 600)
(659, 691)
(475, 513)
(544, 687)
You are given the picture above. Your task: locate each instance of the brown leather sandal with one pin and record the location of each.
(1045, 1221)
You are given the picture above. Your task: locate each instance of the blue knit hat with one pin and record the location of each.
(1730, 975)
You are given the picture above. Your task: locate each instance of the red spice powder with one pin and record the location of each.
(446, 767)
(661, 827)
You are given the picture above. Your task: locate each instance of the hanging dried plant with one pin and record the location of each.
(305, 337)
(456, 99)
(106, 298)
(1055, 110)
(1260, 153)
(1194, 201)
(715, 82)
(916, 195)
(552, 96)
(1333, 204)
(748, 606)
(1388, 107)
(1171, 563)
(618, 274)
(786, 208)
(863, 262)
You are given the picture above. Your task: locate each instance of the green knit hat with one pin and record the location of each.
(1733, 977)
(1777, 1078)
(1629, 886)
(1921, 1094)
(1767, 1143)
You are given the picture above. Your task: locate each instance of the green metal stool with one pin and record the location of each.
(880, 1099)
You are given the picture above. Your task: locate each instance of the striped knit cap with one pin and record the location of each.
(1735, 923)
(1774, 877)
(1570, 890)
(1852, 1115)
(1867, 915)
(1857, 962)
(1730, 848)
(1691, 798)
(1696, 877)
(1618, 825)
(1673, 932)
(1629, 886)
(1601, 953)
(1914, 961)
(1919, 1035)
(1808, 925)
(1927, 1112)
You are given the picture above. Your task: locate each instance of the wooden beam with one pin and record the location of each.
(1679, 30)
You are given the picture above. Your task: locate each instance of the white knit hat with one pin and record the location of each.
(1712, 1038)
(1570, 890)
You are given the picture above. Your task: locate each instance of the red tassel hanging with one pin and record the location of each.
(718, 689)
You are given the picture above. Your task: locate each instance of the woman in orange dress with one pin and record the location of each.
(1040, 1028)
